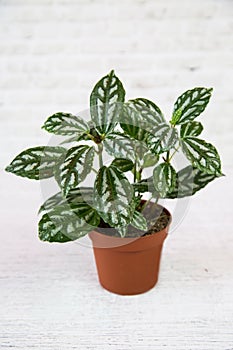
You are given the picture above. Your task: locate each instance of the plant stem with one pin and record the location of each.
(135, 168)
(100, 154)
(134, 173)
(91, 136)
(95, 171)
(157, 199)
(140, 174)
(146, 203)
(155, 204)
(176, 150)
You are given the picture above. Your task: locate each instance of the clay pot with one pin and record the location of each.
(128, 266)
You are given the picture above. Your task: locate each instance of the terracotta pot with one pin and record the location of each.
(128, 266)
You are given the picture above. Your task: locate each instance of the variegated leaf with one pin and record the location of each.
(189, 181)
(81, 194)
(202, 155)
(122, 230)
(132, 122)
(145, 185)
(113, 196)
(122, 164)
(190, 105)
(142, 154)
(136, 202)
(162, 138)
(106, 101)
(150, 113)
(82, 137)
(37, 162)
(66, 124)
(141, 186)
(139, 221)
(164, 178)
(76, 195)
(52, 202)
(191, 129)
(120, 147)
(63, 223)
(74, 167)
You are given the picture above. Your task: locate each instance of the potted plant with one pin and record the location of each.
(126, 230)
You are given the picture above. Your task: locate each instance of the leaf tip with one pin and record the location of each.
(41, 209)
(8, 168)
(122, 231)
(210, 90)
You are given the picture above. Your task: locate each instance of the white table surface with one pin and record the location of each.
(51, 54)
(51, 298)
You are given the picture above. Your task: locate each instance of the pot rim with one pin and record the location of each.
(101, 240)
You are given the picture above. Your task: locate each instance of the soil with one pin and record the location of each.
(157, 219)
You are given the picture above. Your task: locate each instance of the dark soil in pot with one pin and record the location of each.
(156, 216)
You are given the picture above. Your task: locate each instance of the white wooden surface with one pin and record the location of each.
(51, 54)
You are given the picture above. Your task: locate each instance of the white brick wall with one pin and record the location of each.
(52, 52)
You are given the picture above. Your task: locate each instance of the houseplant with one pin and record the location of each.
(127, 231)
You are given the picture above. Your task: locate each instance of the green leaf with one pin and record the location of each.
(106, 101)
(81, 194)
(191, 129)
(66, 124)
(164, 177)
(141, 186)
(176, 116)
(37, 162)
(132, 123)
(122, 164)
(74, 167)
(82, 137)
(113, 196)
(120, 147)
(162, 138)
(189, 181)
(150, 159)
(190, 105)
(146, 185)
(202, 155)
(139, 221)
(50, 231)
(76, 195)
(52, 202)
(136, 202)
(150, 113)
(122, 230)
(67, 223)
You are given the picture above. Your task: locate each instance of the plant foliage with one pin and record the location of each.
(136, 136)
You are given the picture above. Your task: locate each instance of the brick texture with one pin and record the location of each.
(52, 52)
